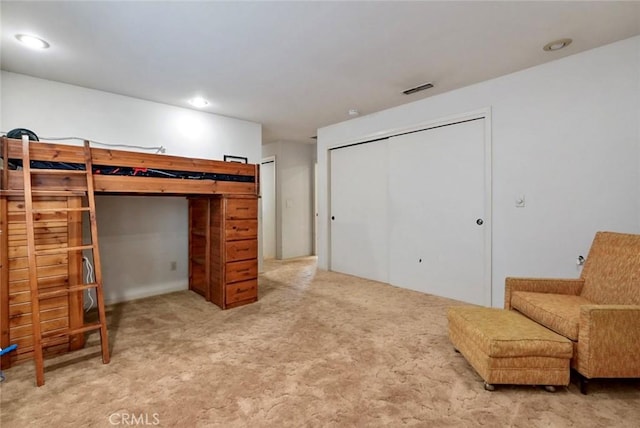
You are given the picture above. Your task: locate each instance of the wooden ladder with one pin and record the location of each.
(39, 340)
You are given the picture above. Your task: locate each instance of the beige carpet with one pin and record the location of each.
(318, 349)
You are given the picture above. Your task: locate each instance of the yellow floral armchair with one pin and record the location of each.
(599, 312)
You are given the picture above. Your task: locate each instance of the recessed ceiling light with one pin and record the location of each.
(198, 102)
(32, 42)
(557, 45)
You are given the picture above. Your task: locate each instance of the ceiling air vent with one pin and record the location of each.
(418, 88)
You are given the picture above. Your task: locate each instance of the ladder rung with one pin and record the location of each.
(55, 210)
(64, 250)
(70, 332)
(58, 171)
(49, 294)
(37, 193)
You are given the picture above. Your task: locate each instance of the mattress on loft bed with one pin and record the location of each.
(138, 172)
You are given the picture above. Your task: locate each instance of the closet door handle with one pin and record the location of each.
(479, 222)
(333, 217)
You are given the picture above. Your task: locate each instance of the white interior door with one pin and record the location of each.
(359, 237)
(437, 223)
(268, 192)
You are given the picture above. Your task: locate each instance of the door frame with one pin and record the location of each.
(314, 242)
(270, 159)
(483, 113)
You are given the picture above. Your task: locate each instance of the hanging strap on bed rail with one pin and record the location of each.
(38, 293)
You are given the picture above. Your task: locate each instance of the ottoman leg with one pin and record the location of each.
(550, 388)
(489, 387)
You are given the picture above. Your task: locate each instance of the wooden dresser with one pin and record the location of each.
(223, 249)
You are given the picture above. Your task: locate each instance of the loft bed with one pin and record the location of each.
(223, 231)
(126, 172)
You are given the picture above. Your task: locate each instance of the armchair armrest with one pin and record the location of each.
(541, 285)
(609, 341)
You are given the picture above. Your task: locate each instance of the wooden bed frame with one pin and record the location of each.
(12, 149)
(60, 190)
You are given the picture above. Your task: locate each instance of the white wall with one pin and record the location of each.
(294, 197)
(139, 236)
(565, 135)
(139, 239)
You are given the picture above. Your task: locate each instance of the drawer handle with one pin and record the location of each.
(241, 229)
(242, 208)
(243, 270)
(242, 290)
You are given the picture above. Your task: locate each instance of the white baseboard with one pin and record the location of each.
(142, 292)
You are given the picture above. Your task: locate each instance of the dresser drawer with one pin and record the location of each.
(241, 271)
(241, 250)
(241, 291)
(241, 229)
(242, 208)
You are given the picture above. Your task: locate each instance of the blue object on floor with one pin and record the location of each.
(2, 352)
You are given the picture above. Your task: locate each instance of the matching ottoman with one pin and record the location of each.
(505, 347)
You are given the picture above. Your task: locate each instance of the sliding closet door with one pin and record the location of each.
(437, 212)
(359, 225)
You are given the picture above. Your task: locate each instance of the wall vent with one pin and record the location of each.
(418, 88)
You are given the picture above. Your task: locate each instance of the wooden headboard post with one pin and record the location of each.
(4, 149)
(4, 281)
(4, 254)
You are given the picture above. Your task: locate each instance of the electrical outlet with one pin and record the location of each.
(174, 265)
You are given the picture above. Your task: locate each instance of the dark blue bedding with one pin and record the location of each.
(138, 172)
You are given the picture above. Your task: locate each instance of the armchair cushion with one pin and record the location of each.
(557, 312)
(541, 285)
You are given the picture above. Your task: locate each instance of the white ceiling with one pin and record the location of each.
(298, 66)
